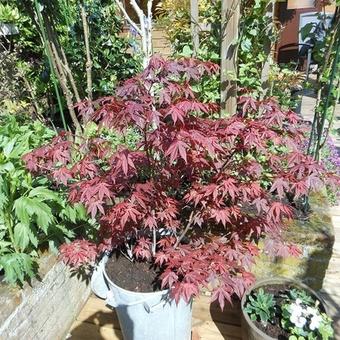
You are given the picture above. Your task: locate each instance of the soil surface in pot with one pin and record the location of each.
(274, 330)
(134, 276)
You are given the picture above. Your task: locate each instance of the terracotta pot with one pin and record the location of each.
(249, 330)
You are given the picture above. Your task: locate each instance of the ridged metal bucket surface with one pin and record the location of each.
(144, 316)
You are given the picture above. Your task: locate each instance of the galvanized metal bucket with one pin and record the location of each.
(144, 316)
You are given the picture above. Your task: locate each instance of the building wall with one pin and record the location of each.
(290, 20)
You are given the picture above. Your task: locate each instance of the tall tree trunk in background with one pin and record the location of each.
(88, 54)
(194, 17)
(268, 49)
(230, 14)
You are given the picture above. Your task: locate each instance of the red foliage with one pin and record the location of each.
(78, 253)
(199, 192)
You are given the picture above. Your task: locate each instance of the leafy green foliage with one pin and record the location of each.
(109, 51)
(311, 325)
(305, 297)
(295, 310)
(326, 51)
(208, 89)
(174, 16)
(8, 14)
(112, 58)
(284, 79)
(130, 138)
(261, 306)
(32, 216)
(302, 317)
(257, 30)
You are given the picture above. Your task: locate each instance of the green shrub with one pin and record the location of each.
(32, 216)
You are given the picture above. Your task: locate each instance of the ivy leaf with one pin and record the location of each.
(307, 30)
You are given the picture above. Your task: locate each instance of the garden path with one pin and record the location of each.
(307, 111)
(98, 322)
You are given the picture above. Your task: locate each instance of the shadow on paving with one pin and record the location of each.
(98, 326)
(228, 319)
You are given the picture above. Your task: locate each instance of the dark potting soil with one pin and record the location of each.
(274, 329)
(133, 276)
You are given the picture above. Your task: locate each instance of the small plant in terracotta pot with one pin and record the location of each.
(186, 207)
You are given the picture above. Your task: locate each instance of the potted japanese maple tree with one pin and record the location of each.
(186, 207)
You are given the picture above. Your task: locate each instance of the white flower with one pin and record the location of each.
(315, 322)
(300, 322)
(296, 309)
(297, 313)
(311, 310)
(293, 318)
(298, 301)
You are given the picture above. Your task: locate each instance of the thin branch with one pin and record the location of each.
(32, 95)
(127, 17)
(70, 75)
(185, 230)
(43, 35)
(53, 37)
(66, 90)
(154, 242)
(88, 54)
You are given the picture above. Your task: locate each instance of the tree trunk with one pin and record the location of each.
(230, 13)
(194, 17)
(88, 54)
